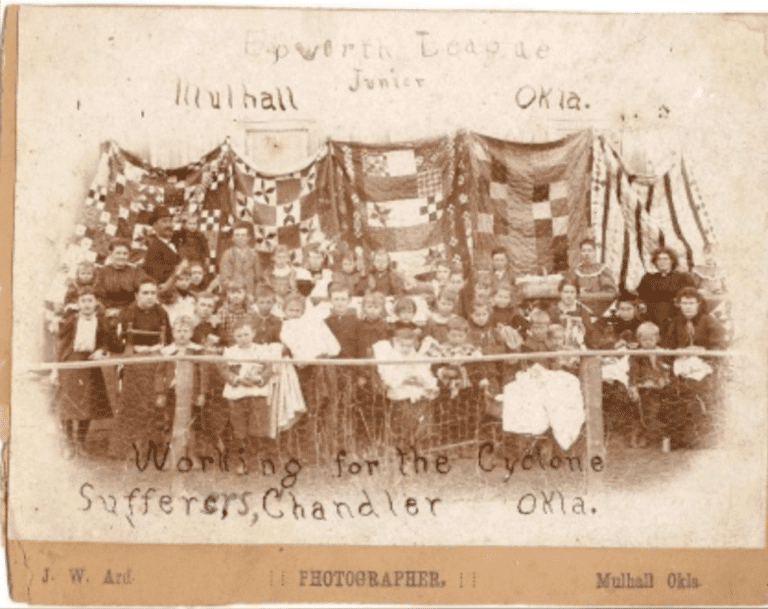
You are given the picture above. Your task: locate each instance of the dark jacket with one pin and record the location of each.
(160, 260)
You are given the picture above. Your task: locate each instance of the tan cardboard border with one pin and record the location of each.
(206, 574)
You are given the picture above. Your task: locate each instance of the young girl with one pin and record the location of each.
(649, 376)
(571, 314)
(178, 300)
(198, 281)
(82, 395)
(282, 275)
(591, 275)
(85, 276)
(313, 278)
(382, 278)
(305, 333)
(347, 272)
(445, 308)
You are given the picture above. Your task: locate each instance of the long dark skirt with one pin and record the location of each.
(82, 394)
(139, 420)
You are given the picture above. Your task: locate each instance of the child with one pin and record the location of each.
(206, 332)
(445, 308)
(182, 387)
(405, 309)
(282, 276)
(382, 278)
(85, 276)
(178, 300)
(452, 377)
(591, 275)
(190, 243)
(571, 314)
(314, 278)
(304, 333)
(248, 385)
(265, 325)
(82, 395)
(442, 274)
(505, 312)
(618, 330)
(234, 311)
(409, 386)
(556, 341)
(372, 327)
(490, 342)
(347, 272)
(501, 267)
(536, 338)
(343, 322)
(198, 281)
(648, 378)
(458, 284)
(240, 262)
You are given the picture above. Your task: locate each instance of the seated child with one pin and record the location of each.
(505, 312)
(234, 311)
(347, 272)
(190, 243)
(248, 386)
(240, 262)
(452, 377)
(649, 375)
(85, 277)
(304, 333)
(405, 309)
(708, 277)
(591, 275)
(536, 338)
(618, 330)
(442, 274)
(265, 325)
(490, 342)
(372, 326)
(82, 393)
(502, 270)
(182, 386)
(445, 308)
(343, 321)
(381, 278)
(282, 275)
(314, 277)
(555, 341)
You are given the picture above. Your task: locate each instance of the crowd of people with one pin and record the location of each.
(259, 311)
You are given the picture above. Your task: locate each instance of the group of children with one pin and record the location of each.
(256, 310)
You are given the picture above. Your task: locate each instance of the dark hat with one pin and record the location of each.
(159, 213)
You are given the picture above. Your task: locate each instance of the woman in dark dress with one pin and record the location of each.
(118, 281)
(658, 290)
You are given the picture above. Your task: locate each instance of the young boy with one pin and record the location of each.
(177, 299)
(372, 327)
(343, 322)
(452, 377)
(458, 284)
(618, 330)
(240, 262)
(505, 311)
(265, 324)
(82, 394)
(248, 385)
(198, 282)
(381, 277)
(182, 387)
(502, 269)
(206, 331)
(234, 311)
(536, 338)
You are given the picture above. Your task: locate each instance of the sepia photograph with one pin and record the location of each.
(422, 280)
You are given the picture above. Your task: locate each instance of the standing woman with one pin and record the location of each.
(658, 290)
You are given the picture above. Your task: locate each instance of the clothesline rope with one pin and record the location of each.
(217, 359)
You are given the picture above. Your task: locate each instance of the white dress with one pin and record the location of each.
(406, 381)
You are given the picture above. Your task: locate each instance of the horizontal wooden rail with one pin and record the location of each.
(218, 359)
